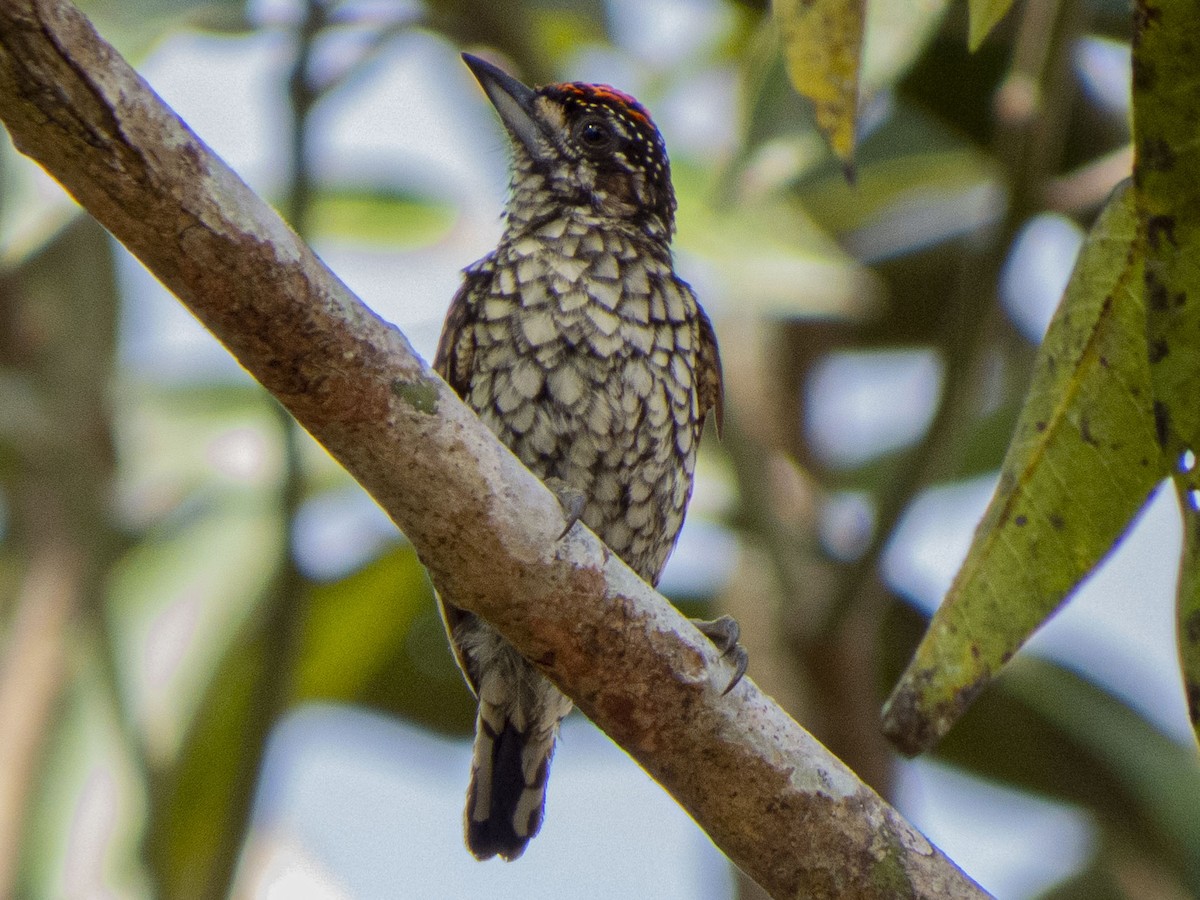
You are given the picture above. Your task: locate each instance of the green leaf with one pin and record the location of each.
(1188, 602)
(356, 625)
(1081, 464)
(884, 190)
(197, 805)
(1044, 729)
(207, 566)
(894, 35)
(83, 754)
(376, 638)
(1166, 105)
(390, 218)
(985, 15)
(897, 32)
(1161, 776)
(1096, 882)
(771, 254)
(366, 639)
(136, 28)
(562, 28)
(774, 111)
(822, 46)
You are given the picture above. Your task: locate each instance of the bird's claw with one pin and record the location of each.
(572, 500)
(724, 633)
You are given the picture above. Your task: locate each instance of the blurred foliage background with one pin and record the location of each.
(181, 567)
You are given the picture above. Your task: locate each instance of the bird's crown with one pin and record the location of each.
(590, 145)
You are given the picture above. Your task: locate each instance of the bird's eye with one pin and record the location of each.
(595, 134)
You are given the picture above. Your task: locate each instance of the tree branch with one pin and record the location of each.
(785, 810)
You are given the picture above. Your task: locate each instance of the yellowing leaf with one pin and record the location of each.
(985, 15)
(822, 45)
(1081, 464)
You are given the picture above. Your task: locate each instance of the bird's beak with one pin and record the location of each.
(515, 104)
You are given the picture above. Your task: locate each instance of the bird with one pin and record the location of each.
(576, 343)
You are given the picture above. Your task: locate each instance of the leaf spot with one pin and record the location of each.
(1159, 349)
(1162, 422)
(1156, 292)
(1159, 227)
(1085, 432)
(1144, 15)
(1156, 154)
(1144, 75)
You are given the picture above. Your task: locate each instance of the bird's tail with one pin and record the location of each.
(514, 741)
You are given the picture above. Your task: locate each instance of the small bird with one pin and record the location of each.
(578, 346)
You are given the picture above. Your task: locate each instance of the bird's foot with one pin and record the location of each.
(572, 500)
(724, 633)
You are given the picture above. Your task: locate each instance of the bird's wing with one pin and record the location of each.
(709, 381)
(452, 619)
(456, 347)
(454, 362)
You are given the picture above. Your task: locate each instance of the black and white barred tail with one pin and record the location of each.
(507, 796)
(515, 731)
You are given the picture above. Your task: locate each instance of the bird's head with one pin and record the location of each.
(589, 145)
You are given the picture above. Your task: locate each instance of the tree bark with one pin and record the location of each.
(786, 811)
